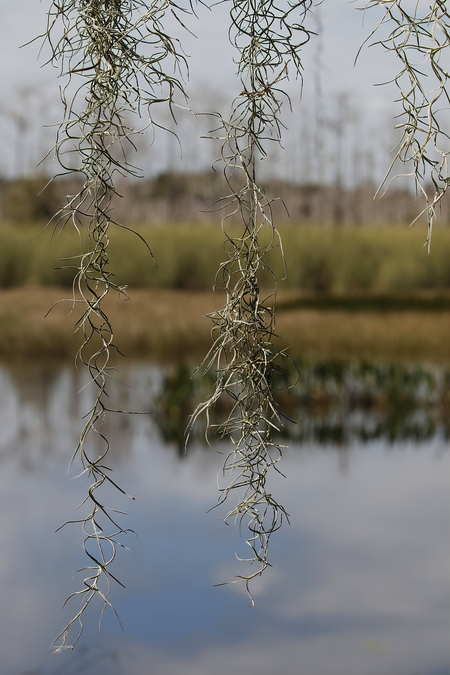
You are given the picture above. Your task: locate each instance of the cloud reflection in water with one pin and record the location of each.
(359, 584)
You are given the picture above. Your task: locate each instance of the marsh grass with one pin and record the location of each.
(319, 260)
(157, 324)
(392, 336)
(161, 324)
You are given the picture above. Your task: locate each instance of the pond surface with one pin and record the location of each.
(359, 583)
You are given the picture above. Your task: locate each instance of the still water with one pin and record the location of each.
(359, 583)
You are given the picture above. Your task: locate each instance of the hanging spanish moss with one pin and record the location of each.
(117, 62)
(420, 38)
(268, 38)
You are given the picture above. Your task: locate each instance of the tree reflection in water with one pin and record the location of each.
(332, 402)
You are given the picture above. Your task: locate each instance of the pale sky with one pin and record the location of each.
(211, 56)
(28, 87)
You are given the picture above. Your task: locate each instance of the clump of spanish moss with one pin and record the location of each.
(419, 36)
(118, 62)
(268, 38)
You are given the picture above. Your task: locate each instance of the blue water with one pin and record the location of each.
(359, 583)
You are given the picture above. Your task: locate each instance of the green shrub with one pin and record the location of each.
(16, 251)
(25, 200)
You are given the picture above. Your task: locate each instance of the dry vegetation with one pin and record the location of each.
(161, 324)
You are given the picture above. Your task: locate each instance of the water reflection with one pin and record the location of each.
(359, 583)
(330, 402)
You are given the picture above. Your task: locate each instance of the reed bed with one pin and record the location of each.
(320, 260)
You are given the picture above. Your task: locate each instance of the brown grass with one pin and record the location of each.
(161, 324)
(153, 323)
(388, 336)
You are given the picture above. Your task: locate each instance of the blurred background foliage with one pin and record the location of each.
(320, 260)
(179, 198)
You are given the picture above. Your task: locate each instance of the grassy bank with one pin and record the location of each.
(324, 261)
(160, 324)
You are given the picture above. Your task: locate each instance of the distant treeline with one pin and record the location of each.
(326, 260)
(202, 198)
